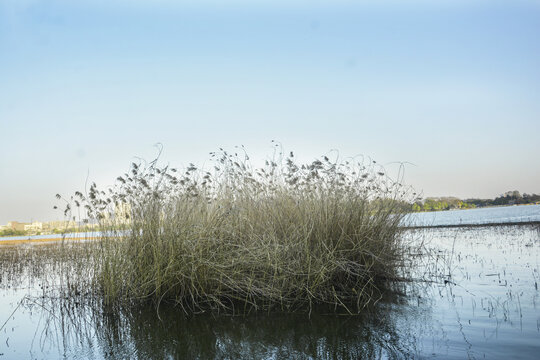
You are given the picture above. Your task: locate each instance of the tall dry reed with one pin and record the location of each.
(239, 238)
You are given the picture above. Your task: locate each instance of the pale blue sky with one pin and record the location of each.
(450, 86)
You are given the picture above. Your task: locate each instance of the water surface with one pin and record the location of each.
(488, 215)
(474, 295)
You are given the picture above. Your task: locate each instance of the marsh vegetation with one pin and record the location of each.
(237, 238)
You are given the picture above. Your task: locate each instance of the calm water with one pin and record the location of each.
(503, 214)
(475, 296)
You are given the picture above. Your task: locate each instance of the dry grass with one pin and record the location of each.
(237, 238)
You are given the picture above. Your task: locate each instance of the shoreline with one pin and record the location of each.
(493, 224)
(6, 242)
(474, 208)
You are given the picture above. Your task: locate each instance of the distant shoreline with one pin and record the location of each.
(6, 242)
(493, 224)
(475, 208)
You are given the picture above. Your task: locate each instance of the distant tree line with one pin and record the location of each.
(11, 232)
(449, 203)
(508, 198)
(441, 203)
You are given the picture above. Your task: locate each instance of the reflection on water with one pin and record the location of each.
(145, 334)
(475, 295)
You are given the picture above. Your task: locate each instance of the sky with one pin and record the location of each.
(450, 88)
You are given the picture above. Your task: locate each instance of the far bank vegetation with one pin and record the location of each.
(450, 203)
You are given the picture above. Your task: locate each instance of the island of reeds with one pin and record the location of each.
(235, 238)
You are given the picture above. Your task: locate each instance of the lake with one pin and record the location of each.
(474, 295)
(488, 215)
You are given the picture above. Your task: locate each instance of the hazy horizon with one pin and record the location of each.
(451, 89)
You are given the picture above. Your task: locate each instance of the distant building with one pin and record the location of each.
(59, 225)
(34, 227)
(15, 225)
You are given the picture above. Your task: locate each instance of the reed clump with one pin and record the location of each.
(237, 238)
